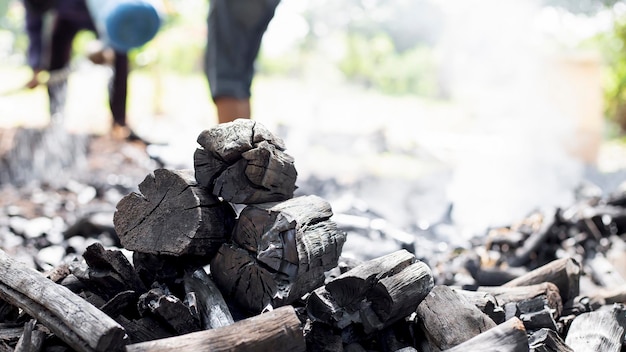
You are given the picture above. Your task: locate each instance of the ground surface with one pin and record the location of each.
(405, 159)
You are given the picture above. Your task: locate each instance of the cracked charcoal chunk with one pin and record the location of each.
(243, 162)
(280, 252)
(173, 216)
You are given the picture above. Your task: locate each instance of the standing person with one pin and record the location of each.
(51, 26)
(235, 30)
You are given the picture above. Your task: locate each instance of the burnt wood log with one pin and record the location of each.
(601, 330)
(564, 273)
(173, 215)
(143, 329)
(509, 336)
(449, 319)
(280, 252)
(243, 162)
(277, 331)
(536, 314)
(78, 323)
(110, 272)
(169, 310)
(213, 310)
(486, 302)
(504, 295)
(374, 294)
(32, 340)
(547, 340)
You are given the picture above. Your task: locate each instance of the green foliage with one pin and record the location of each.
(376, 63)
(613, 46)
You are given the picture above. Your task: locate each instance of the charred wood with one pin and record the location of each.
(546, 290)
(278, 330)
(546, 340)
(143, 329)
(78, 323)
(168, 309)
(564, 273)
(449, 319)
(280, 252)
(486, 302)
(110, 272)
(173, 215)
(32, 339)
(601, 330)
(374, 294)
(213, 310)
(509, 336)
(243, 162)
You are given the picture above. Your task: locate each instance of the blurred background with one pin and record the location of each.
(473, 112)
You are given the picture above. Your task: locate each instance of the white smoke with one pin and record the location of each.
(517, 156)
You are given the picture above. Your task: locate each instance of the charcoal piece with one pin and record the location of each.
(280, 251)
(112, 270)
(243, 162)
(173, 215)
(213, 310)
(168, 309)
(449, 319)
(509, 336)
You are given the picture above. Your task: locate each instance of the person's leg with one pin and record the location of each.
(235, 30)
(118, 89)
(229, 108)
(60, 49)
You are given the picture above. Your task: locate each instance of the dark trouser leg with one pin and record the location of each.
(118, 87)
(63, 34)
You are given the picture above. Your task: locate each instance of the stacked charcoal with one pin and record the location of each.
(225, 257)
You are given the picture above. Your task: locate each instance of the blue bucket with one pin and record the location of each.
(125, 24)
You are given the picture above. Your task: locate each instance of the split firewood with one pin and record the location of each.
(78, 323)
(564, 273)
(110, 272)
(243, 162)
(449, 319)
(173, 215)
(548, 290)
(213, 310)
(509, 336)
(277, 331)
(374, 294)
(280, 252)
(169, 310)
(601, 330)
(547, 340)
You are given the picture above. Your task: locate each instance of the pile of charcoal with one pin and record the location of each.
(231, 256)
